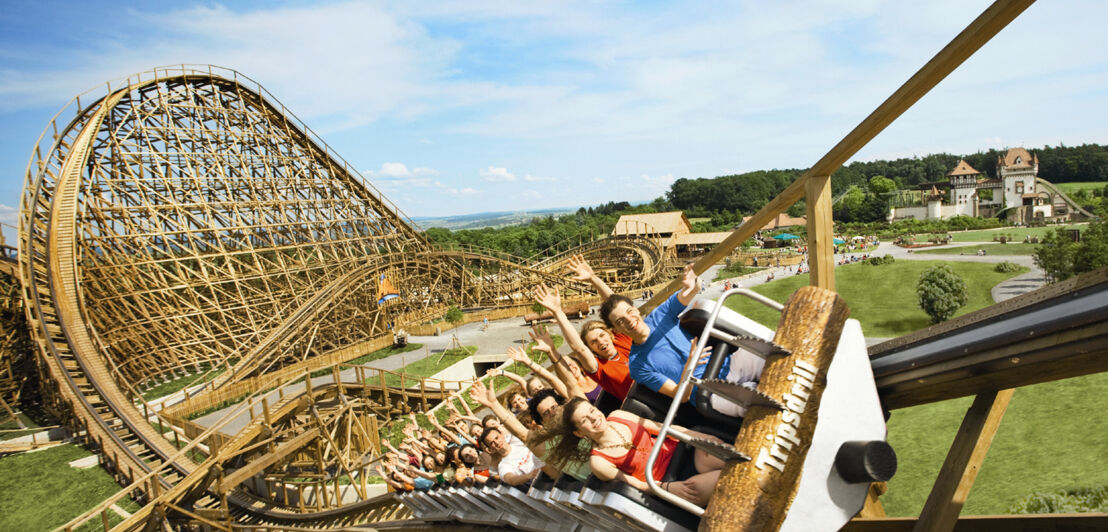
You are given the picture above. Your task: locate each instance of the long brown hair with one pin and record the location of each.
(569, 447)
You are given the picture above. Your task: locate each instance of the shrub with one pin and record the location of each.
(941, 292)
(878, 261)
(1007, 267)
(1063, 502)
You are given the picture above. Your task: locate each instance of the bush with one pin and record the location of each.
(1007, 267)
(878, 261)
(1063, 502)
(941, 292)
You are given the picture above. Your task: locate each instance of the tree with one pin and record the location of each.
(941, 292)
(1061, 258)
(454, 315)
(880, 184)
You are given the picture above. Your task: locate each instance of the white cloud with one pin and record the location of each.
(537, 179)
(496, 174)
(9, 215)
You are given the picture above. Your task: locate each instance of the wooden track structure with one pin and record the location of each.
(182, 220)
(185, 219)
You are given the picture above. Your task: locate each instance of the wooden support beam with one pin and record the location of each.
(821, 245)
(959, 471)
(257, 465)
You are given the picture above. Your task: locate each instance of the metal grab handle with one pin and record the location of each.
(665, 430)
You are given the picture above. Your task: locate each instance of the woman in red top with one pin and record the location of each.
(601, 353)
(621, 444)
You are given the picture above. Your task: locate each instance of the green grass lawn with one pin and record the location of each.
(167, 388)
(1015, 234)
(882, 298)
(41, 492)
(1069, 188)
(1051, 439)
(429, 365)
(991, 249)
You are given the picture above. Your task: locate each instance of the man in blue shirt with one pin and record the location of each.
(660, 348)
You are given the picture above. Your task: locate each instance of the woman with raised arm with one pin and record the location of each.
(602, 354)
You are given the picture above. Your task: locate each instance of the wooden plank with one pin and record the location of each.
(257, 464)
(778, 441)
(963, 462)
(821, 244)
(1090, 522)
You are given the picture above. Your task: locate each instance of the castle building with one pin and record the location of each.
(1015, 186)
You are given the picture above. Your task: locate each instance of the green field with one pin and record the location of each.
(41, 491)
(882, 298)
(991, 249)
(1069, 188)
(1051, 439)
(1014, 234)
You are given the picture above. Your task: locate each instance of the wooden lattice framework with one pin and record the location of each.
(209, 223)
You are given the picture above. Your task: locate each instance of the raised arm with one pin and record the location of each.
(543, 342)
(690, 285)
(519, 356)
(582, 271)
(552, 300)
(497, 372)
(486, 397)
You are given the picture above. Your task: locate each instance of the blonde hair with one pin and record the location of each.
(592, 325)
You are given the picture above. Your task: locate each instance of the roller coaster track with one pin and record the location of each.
(1069, 202)
(648, 249)
(48, 266)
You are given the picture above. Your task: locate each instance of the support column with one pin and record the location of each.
(959, 471)
(821, 235)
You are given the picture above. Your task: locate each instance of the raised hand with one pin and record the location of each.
(481, 393)
(690, 285)
(543, 341)
(549, 298)
(518, 355)
(581, 269)
(494, 372)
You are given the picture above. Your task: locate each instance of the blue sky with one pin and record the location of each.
(460, 107)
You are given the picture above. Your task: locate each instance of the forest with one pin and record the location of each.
(862, 188)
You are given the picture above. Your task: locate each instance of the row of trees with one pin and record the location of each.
(862, 189)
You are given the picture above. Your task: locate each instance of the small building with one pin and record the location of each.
(674, 230)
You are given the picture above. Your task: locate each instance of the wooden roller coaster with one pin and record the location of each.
(182, 219)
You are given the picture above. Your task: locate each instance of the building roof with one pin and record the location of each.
(1017, 158)
(963, 168)
(673, 222)
(699, 239)
(781, 220)
(935, 194)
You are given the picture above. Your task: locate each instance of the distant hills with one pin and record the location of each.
(487, 219)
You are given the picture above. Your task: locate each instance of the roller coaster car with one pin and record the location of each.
(848, 449)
